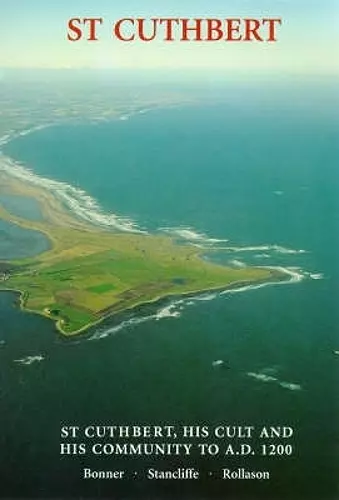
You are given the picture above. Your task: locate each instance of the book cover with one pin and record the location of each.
(168, 250)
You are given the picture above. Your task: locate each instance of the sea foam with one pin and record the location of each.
(28, 360)
(110, 331)
(190, 235)
(168, 312)
(265, 248)
(172, 310)
(203, 241)
(263, 377)
(77, 200)
(237, 263)
(175, 308)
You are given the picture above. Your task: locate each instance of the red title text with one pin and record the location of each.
(131, 29)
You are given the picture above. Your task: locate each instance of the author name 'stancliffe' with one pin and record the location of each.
(178, 474)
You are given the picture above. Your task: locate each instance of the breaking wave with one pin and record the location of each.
(75, 199)
(87, 208)
(107, 332)
(316, 276)
(172, 310)
(264, 377)
(295, 277)
(265, 248)
(175, 308)
(6, 138)
(205, 297)
(28, 360)
(237, 263)
(189, 234)
(142, 111)
(218, 362)
(202, 240)
(169, 311)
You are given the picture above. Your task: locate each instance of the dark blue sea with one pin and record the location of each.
(259, 171)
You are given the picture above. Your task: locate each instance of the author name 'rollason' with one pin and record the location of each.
(131, 29)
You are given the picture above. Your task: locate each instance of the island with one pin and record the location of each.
(89, 273)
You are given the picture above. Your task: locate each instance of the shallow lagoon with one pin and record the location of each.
(17, 242)
(21, 206)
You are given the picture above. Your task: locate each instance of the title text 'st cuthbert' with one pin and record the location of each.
(177, 29)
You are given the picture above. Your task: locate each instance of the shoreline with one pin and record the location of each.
(117, 222)
(71, 120)
(56, 211)
(275, 273)
(237, 285)
(65, 219)
(42, 239)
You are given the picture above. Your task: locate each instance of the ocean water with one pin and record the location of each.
(257, 180)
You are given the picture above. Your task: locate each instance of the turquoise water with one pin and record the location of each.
(261, 174)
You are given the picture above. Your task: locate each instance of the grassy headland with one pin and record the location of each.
(90, 273)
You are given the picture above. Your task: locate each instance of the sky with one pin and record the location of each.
(34, 35)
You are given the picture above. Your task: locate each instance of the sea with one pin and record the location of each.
(250, 178)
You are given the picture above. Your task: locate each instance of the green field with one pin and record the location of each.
(89, 273)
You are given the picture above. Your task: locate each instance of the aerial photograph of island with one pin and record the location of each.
(168, 256)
